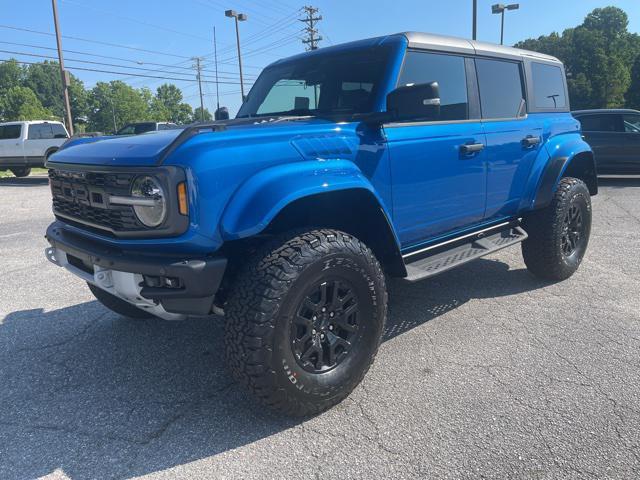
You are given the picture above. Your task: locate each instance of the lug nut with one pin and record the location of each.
(313, 332)
(322, 336)
(324, 309)
(330, 327)
(331, 314)
(314, 318)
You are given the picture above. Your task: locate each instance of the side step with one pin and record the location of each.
(456, 256)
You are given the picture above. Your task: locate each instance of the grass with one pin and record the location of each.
(34, 171)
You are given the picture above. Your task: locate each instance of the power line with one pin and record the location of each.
(97, 42)
(127, 74)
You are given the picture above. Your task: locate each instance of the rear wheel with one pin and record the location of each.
(118, 305)
(304, 320)
(559, 234)
(21, 171)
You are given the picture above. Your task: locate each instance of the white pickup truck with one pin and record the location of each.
(28, 144)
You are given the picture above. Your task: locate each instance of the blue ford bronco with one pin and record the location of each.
(400, 156)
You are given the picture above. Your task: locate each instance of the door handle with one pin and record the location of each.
(530, 141)
(471, 148)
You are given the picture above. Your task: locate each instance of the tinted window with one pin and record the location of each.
(10, 132)
(144, 128)
(58, 131)
(548, 86)
(500, 84)
(601, 123)
(448, 71)
(632, 123)
(40, 131)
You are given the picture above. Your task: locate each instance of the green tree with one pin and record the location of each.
(116, 102)
(633, 94)
(20, 103)
(11, 75)
(44, 79)
(598, 56)
(198, 118)
(170, 97)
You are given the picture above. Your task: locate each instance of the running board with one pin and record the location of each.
(456, 256)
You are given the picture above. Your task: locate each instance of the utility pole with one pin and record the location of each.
(474, 28)
(312, 32)
(198, 68)
(63, 73)
(215, 54)
(239, 17)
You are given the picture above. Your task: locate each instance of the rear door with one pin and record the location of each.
(39, 139)
(631, 124)
(437, 187)
(604, 133)
(513, 138)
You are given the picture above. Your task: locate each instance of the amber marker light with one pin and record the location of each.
(183, 203)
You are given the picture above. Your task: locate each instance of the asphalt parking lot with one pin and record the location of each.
(485, 372)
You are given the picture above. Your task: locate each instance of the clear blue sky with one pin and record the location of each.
(178, 30)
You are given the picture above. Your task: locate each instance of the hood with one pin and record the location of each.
(136, 150)
(148, 148)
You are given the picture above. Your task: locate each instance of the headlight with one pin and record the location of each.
(155, 211)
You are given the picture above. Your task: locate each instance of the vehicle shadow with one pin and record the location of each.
(94, 395)
(34, 181)
(619, 182)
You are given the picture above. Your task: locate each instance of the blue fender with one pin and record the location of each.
(554, 161)
(257, 202)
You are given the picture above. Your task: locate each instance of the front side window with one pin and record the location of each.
(10, 132)
(632, 123)
(501, 92)
(323, 84)
(41, 131)
(601, 123)
(548, 86)
(449, 71)
(58, 131)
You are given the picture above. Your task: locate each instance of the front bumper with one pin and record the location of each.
(127, 275)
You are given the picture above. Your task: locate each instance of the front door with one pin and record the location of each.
(438, 165)
(631, 148)
(11, 151)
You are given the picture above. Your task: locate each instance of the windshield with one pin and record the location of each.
(326, 84)
(136, 128)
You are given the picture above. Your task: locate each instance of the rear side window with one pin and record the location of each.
(41, 131)
(10, 132)
(548, 86)
(601, 123)
(449, 71)
(501, 91)
(632, 123)
(58, 131)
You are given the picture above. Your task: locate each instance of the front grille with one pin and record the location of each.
(82, 197)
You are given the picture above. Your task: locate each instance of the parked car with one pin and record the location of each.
(24, 145)
(400, 156)
(144, 127)
(129, 129)
(614, 136)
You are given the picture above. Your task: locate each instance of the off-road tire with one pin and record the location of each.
(543, 250)
(21, 172)
(266, 296)
(118, 305)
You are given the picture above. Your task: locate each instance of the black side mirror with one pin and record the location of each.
(221, 113)
(415, 102)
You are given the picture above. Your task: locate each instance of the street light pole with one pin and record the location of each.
(239, 17)
(474, 28)
(499, 8)
(63, 74)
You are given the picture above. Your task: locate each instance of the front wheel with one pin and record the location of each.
(21, 172)
(559, 234)
(304, 320)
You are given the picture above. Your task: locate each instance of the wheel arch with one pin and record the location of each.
(573, 160)
(312, 194)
